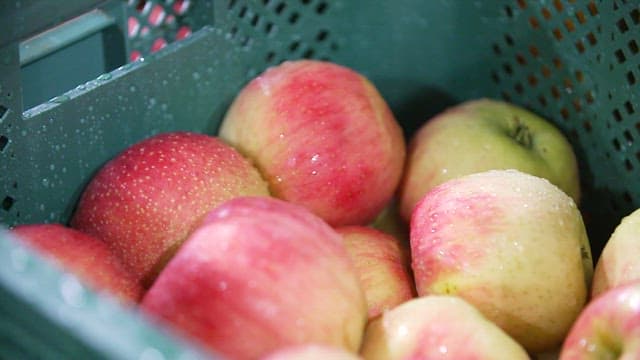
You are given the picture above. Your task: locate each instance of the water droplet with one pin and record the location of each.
(314, 172)
(45, 182)
(72, 290)
(315, 158)
(281, 136)
(278, 179)
(60, 99)
(104, 77)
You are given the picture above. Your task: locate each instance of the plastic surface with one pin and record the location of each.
(573, 61)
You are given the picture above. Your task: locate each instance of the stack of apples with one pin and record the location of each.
(309, 228)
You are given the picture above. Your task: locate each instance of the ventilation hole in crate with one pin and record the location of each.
(633, 47)
(580, 46)
(631, 78)
(507, 68)
(508, 11)
(542, 100)
(628, 136)
(14, 185)
(555, 92)
(558, 5)
(629, 107)
(4, 141)
(270, 56)
(638, 155)
(587, 126)
(305, 2)
(580, 17)
(635, 16)
(269, 28)
(242, 12)
(294, 46)
(496, 49)
(593, 8)
(157, 15)
(495, 77)
(579, 76)
(591, 38)
(534, 22)
(620, 56)
(233, 31)
(181, 6)
(322, 7)
(546, 13)
(183, 32)
(143, 6)
(508, 39)
(280, 8)
(520, 59)
(565, 113)
(308, 54)
(7, 203)
(158, 44)
(629, 166)
(322, 35)
(133, 26)
(3, 112)
(616, 144)
(569, 25)
(254, 20)
(533, 80)
(534, 51)
(293, 18)
(622, 26)
(616, 115)
(546, 71)
(577, 105)
(518, 88)
(245, 41)
(557, 33)
(557, 63)
(231, 4)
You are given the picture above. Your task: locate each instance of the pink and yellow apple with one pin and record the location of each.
(381, 266)
(437, 327)
(312, 352)
(619, 262)
(146, 201)
(482, 135)
(260, 274)
(608, 328)
(322, 136)
(83, 255)
(511, 244)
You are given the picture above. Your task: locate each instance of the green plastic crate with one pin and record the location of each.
(71, 98)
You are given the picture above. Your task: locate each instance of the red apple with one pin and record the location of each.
(437, 327)
(311, 352)
(381, 267)
(511, 244)
(322, 136)
(260, 274)
(83, 255)
(146, 201)
(608, 328)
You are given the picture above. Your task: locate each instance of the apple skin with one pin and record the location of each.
(486, 134)
(511, 244)
(260, 274)
(608, 328)
(322, 136)
(83, 255)
(619, 263)
(145, 201)
(381, 267)
(437, 327)
(311, 352)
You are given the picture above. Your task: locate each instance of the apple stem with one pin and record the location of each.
(522, 134)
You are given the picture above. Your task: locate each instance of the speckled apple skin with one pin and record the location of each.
(381, 267)
(437, 328)
(322, 136)
(83, 255)
(511, 244)
(619, 262)
(145, 201)
(608, 328)
(260, 274)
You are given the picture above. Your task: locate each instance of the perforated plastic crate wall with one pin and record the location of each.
(575, 62)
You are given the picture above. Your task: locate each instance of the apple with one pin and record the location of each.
(311, 352)
(608, 328)
(83, 255)
(322, 136)
(381, 266)
(511, 244)
(259, 274)
(437, 327)
(619, 263)
(486, 134)
(146, 201)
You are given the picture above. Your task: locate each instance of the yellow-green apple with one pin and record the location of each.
(322, 136)
(510, 243)
(312, 352)
(381, 266)
(608, 328)
(82, 255)
(619, 262)
(145, 201)
(259, 274)
(481, 135)
(437, 327)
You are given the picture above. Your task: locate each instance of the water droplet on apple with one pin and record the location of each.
(314, 172)
(315, 158)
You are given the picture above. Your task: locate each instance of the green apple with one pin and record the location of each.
(437, 327)
(513, 245)
(619, 263)
(484, 135)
